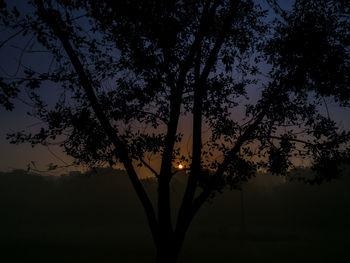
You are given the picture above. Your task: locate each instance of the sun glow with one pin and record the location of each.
(180, 166)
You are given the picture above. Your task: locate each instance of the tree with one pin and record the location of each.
(256, 76)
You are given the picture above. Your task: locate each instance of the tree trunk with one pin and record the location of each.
(168, 251)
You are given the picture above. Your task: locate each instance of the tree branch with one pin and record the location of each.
(291, 140)
(54, 23)
(201, 199)
(219, 42)
(240, 141)
(186, 210)
(176, 93)
(149, 167)
(176, 97)
(11, 37)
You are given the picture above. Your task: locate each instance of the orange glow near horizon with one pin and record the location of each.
(180, 166)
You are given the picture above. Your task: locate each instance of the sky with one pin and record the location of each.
(19, 156)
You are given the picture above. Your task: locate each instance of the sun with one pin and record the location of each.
(180, 166)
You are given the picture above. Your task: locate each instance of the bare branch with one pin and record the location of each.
(11, 37)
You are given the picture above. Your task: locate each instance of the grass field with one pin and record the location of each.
(99, 219)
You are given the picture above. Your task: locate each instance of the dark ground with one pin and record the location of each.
(98, 219)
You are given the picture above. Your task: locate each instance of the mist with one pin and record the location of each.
(96, 217)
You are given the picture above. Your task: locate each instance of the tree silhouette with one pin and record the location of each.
(128, 72)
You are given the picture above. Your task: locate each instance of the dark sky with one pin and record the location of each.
(18, 156)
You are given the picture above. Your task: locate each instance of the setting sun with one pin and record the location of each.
(180, 166)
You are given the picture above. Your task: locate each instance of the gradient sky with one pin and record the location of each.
(18, 156)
